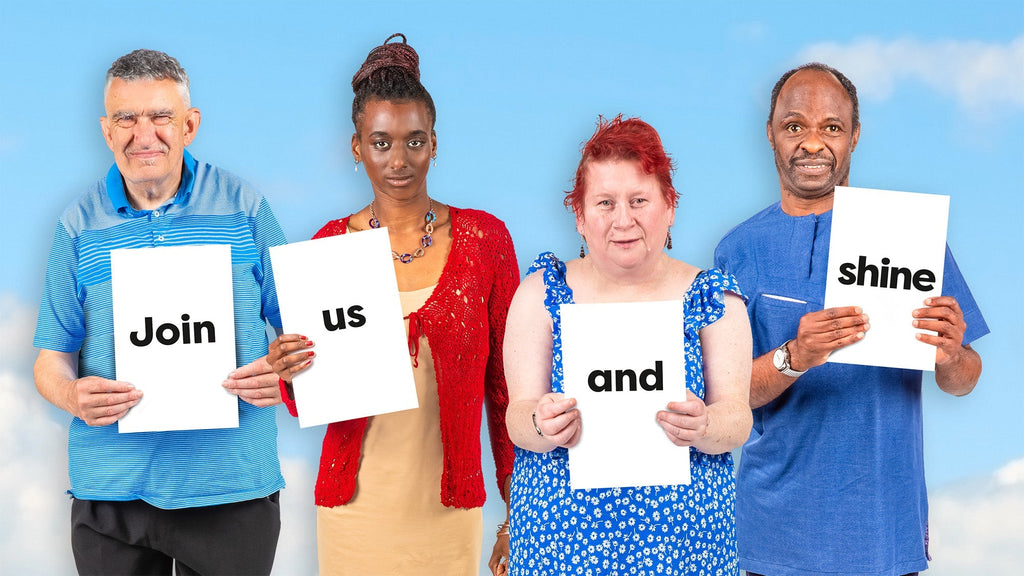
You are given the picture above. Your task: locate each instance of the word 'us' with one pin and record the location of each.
(339, 321)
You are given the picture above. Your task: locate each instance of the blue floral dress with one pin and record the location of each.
(656, 530)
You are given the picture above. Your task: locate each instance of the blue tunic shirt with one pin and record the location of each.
(831, 480)
(179, 469)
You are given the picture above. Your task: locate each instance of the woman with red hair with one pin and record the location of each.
(625, 204)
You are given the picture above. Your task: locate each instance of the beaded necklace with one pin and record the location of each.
(425, 241)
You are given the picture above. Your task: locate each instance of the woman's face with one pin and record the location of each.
(394, 141)
(625, 217)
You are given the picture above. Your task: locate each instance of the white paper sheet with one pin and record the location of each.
(362, 365)
(185, 293)
(896, 240)
(622, 443)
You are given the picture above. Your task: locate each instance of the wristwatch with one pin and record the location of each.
(781, 361)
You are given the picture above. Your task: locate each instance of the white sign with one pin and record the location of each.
(886, 255)
(174, 336)
(341, 293)
(623, 363)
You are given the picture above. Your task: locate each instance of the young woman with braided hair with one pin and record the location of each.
(401, 493)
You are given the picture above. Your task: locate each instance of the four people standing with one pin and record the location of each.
(402, 492)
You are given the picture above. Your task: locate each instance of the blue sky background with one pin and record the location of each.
(518, 87)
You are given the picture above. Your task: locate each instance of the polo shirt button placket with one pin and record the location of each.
(159, 238)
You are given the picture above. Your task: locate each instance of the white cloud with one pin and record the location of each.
(977, 527)
(17, 327)
(1011, 474)
(977, 74)
(35, 537)
(296, 548)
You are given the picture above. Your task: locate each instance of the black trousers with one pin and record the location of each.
(136, 538)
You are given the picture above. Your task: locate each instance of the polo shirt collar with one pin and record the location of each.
(119, 196)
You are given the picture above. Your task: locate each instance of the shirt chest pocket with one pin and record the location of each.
(775, 318)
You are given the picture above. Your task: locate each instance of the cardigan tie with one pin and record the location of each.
(415, 331)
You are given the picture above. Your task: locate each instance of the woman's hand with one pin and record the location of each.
(290, 354)
(685, 422)
(557, 420)
(499, 555)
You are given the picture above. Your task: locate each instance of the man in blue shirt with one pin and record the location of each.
(195, 501)
(831, 480)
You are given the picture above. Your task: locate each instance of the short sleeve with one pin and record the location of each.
(953, 284)
(61, 324)
(556, 291)
(705, 299)
(266, 232)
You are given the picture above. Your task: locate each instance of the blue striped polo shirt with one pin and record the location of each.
(179, 469)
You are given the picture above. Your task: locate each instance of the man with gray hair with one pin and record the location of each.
(194, 501)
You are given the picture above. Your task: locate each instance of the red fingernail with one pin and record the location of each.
(310, 353)
(309, 342)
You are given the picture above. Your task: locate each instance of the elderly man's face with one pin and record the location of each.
(812, 135)
(147, 127)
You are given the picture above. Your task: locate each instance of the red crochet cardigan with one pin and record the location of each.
(466, 346)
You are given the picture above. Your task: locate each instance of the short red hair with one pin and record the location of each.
(629, 139)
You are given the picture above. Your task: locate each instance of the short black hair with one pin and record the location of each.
(851, 90)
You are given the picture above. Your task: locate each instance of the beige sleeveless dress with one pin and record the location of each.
(395, 522)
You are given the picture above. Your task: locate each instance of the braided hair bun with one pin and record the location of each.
(391, 72)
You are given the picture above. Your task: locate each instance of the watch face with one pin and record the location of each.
(779, 359)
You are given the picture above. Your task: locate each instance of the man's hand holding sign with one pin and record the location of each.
(174, 335)
(891, 272)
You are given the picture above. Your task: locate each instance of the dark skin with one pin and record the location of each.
(394, 142)
(813, 137)
(498, 562)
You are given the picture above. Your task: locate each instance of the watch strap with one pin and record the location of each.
(786, 369)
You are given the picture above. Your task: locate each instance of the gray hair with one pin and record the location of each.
(149, 65)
